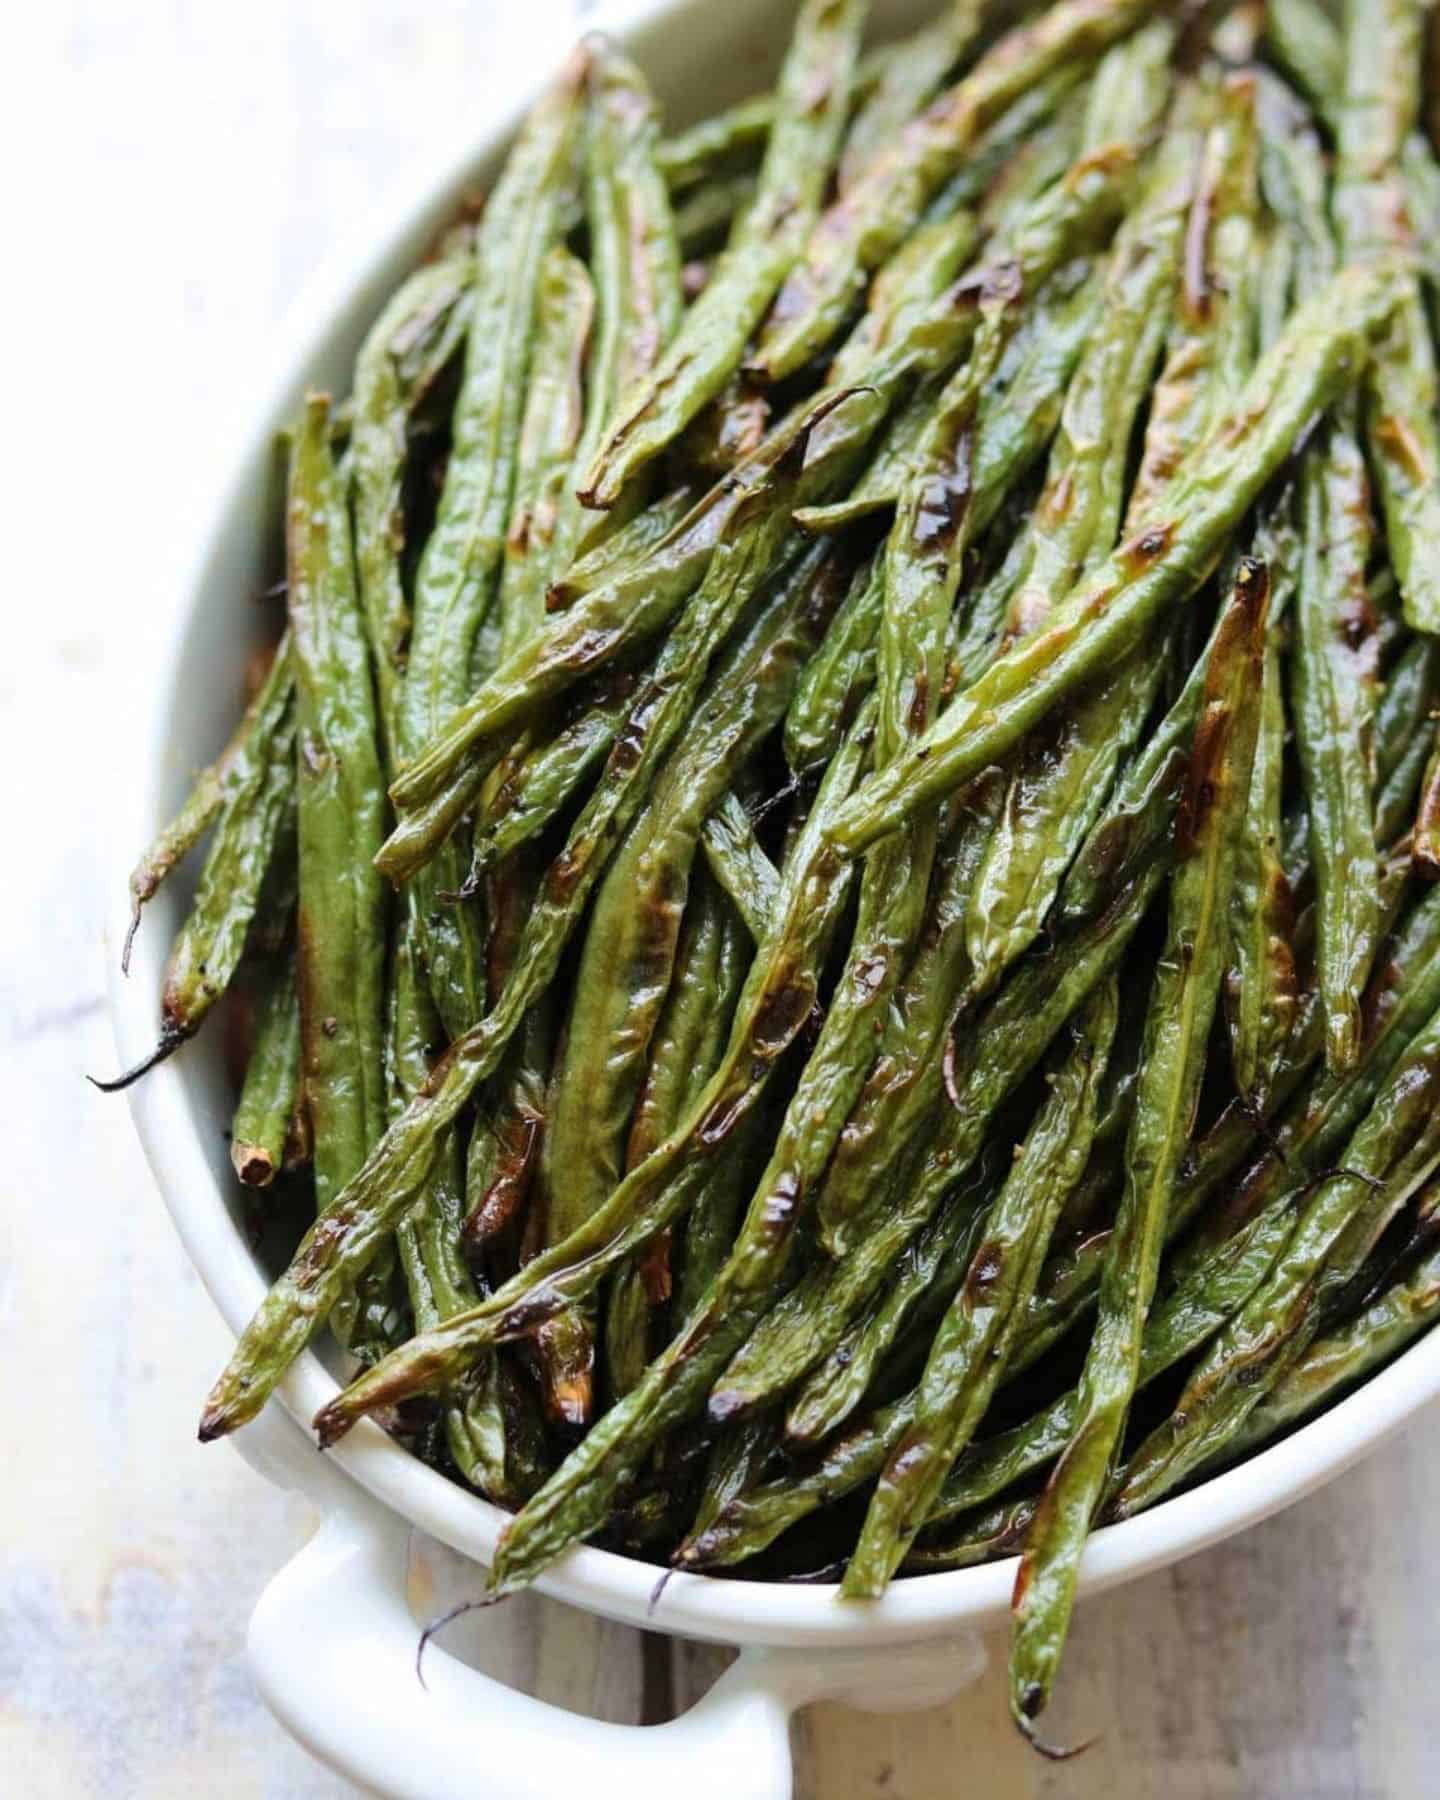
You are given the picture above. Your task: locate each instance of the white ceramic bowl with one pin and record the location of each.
(334, 1625)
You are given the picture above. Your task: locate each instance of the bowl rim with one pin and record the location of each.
(599, 1581)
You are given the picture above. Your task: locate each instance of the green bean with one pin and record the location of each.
(1180, 1323)
(739, 864)
(503, 1154)
(504, 1151)
(628, 1306)
(627, 961)
(1060, 783)
(1431, 56)
(879, 487)
(1306, 44)
(1261, 985)
(1177, 1026)
(292, 1311)
(1109, 612)
(1404, 702)
(838, 676)
(967, 1357)
(256, 781)
(456, 583)
(910, 78)
(415, 337)
(933, 1265)
(750, 1521)
(626, 967)
(1078, 509)
(861, 228)
(714, 1214)
(778, 996)
(530, 790)
(272, 1083)
(902, 1090)
(735, 1464)
(1395, 1149)
(635, 256)
(703, 219)
(1308, 1135)
(1141, 808)
(677, 1379)
(1043, 123)
(1395, 798)
(1021, 218)
(1019, 410)
(703, 151)
(1065, 774)
(728, 430)
(1274, 286)
(428, 1237)
(1406, 986)
(1033, 165)
(695, 156)
(1063, 782)
(1338, 1359)
(1427, 820)
(813, 96)
(212, 794)
(615, 542)
(684, 1048)
(549, 431)
(341, 907)
(1333, 677)
(1378, 113)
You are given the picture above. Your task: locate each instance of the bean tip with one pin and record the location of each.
(723, 1405)
(657, 1592)
(170, 1040)
(332, 1422)
(214, 1423)
(253, 1164)
(129, 943)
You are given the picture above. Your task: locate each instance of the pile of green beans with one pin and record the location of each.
(830, 874)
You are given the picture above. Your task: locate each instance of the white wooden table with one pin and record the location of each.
(176, 170)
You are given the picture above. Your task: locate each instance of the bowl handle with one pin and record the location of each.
(333, 1642)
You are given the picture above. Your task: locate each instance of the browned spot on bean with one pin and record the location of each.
(724, 1116)
(563, 876)
(629, 745)
(985, 1271)
(1151, 544)
(919, 712)
(780, 1015)
(327, 1236)
(588, 648)
(1400, 441)
(944, 501)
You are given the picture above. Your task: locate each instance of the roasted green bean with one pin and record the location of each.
(266, 1106)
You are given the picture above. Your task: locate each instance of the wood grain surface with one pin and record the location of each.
(176, 172)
